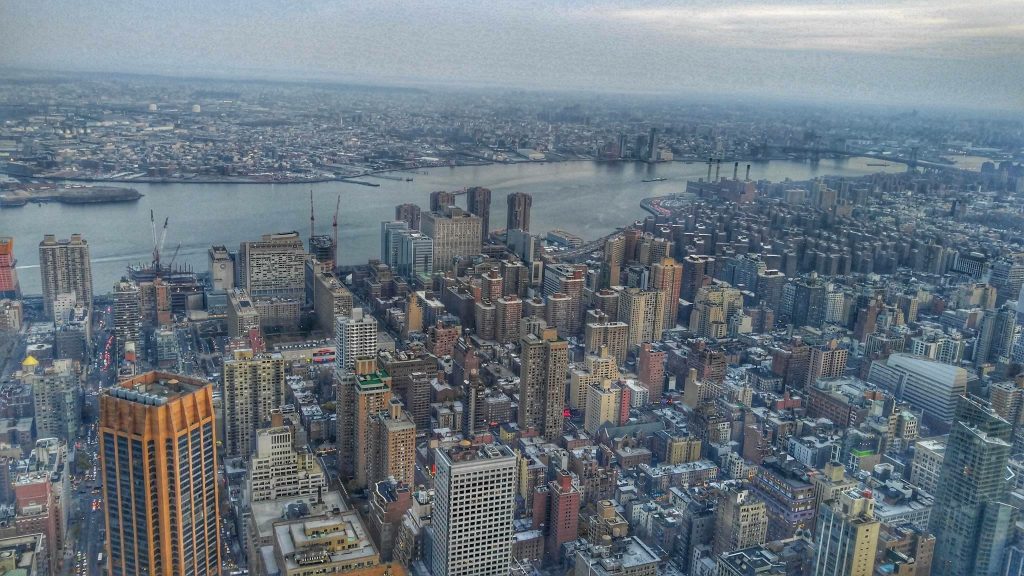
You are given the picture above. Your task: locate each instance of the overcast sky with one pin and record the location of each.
(907, 52)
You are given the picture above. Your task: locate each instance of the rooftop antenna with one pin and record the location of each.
(311, 219)
(334, 226)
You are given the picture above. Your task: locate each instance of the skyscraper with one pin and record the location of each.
(971, 524)
(544, 365)
(643, 310)
(563, 513)
(64, 266)
(995, 336)
(8, 274)
(697, 271)
(474, 502)
(253, 387)
(410, 214)
(158, 459)
(455, 234)
(392, 445)
(518, 215)
(127, 317)
(55, 396)
(478, 202)
(222, 268)
(354, 336)
(741, 520)
(667, 277)
(273, 266)
(651, 371)
(440, 200)
(826, 361)
(362, 392)
(846, 536)
(415, 255)
(390, 245)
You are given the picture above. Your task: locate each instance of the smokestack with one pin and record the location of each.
(748, 172)
(735, 170)
(709, 169)
(718, 168)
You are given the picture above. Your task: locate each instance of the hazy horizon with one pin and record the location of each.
(904, 53)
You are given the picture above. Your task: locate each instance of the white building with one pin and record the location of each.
(355, 336)
(474, 502)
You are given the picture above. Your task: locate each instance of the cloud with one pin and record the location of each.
(947, 28)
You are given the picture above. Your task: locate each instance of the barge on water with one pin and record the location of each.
(68, 195)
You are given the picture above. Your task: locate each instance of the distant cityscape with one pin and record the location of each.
(804, 377)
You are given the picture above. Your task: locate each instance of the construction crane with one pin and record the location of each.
(311, 219)
(174, 256)
(163, 238)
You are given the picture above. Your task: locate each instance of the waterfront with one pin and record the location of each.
(586, 198)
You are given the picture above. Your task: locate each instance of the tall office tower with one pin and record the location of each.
(158, 459)
(277, 469)
(508, 313)
(127, 317)
(714, 309)
(55, 397)
(651, 371)
(518, 215)
(64, 266)
(362, 392)
(390, 244)
(410, 214)
(222, 268)
(354, 336)
(644, 311)
(995, 336)
(440, 200)
(544, 365)
(846, 536)
(809, 303)
(478, 202)
(273, 266)
(971, 525)
(254, 386)
(697, 273)
(474, 502)
(613, 259)
(741, 520)
(769, 288)
(1007, 278)
(612, 335)
(564, 503)
(827, 361)
(667, 277)
(415, 255)
(456, 234)
(8, 274)
(392, 446)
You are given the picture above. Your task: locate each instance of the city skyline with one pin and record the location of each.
(908, 53)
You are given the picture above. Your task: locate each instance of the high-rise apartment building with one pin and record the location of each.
(651, 371)
(362, 392)
(564, 503)
(570, 280)
(826, 361)
(64, 266)
(127, 317)
(474, 503)
(158, 461)
(456, 234)
(612, 335)
(810, 302)
(667, 277)
(614, 258)
(254, 386)
(392, 446)
(644, 311)
(544, 366)
(9, 287)
(697, 273)
(508, 314)
(478, 202)
(277, 469)
(741, 520)
(273, 266)
(440, 200)
(846, 536)
(714, 310)
(518, 215)
(410, 214)
(971, 523)
(996, 333)
(354, 336)
(55, 396)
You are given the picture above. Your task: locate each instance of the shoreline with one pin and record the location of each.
(354, 179)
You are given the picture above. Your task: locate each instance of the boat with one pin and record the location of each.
(877, 164)
(654, 180)
(408, 179)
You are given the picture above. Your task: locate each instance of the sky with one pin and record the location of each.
(957, 53)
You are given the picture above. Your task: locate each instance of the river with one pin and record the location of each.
(589, 199)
